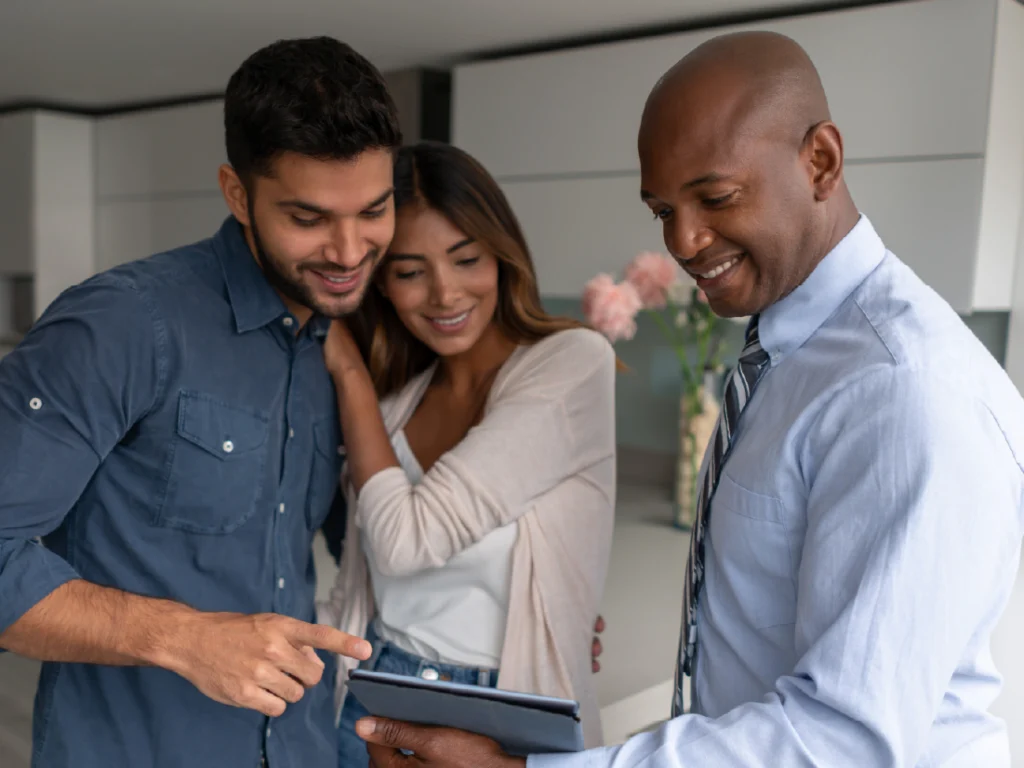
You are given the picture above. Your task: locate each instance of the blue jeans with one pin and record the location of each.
(387, 658)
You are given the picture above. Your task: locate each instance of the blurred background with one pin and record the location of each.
(110, 138)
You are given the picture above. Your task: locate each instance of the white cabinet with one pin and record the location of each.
(156, 181)
(935, 235)
(597, 223)
(907, 79)
(134, 229)
(926, 93)
(171, 151)
(46, 201)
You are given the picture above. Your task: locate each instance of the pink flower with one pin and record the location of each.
(611, 307)
(652, 274)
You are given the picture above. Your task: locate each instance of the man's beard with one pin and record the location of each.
(298, 291)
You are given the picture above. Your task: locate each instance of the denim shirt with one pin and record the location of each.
(167, 429)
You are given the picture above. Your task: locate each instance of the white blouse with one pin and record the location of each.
(454, 614)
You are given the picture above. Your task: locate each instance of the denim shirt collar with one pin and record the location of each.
(254, 302)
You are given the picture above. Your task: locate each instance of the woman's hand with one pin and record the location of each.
(366, 438)
(340, 351)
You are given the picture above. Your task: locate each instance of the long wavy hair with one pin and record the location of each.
(449, 181)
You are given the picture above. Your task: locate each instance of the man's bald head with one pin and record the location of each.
(740, 160)
(748, 76)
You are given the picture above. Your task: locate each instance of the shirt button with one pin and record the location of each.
(291, 433)
(280, 583)
(280, 508)
(228, 446)
(430, 674)
(35, 403)
(288, 322)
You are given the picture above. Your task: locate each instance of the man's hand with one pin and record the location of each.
(437, 747)
(262, 662)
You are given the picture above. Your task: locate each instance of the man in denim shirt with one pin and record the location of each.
(169, 430)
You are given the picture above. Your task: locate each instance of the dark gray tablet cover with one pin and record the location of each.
(522, 723)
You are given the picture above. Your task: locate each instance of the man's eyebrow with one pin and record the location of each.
(708, 178)
(321, 211)
(303, 205)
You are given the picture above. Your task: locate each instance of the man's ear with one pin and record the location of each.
(825, 148)
(235, 193)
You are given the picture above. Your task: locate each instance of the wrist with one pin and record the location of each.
(349, 374)
(164, 640)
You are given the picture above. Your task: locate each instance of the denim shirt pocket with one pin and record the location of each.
(214, 472)
(325, 473)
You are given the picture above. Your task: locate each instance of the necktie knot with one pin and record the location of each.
(753, 353)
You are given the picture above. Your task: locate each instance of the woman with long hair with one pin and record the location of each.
(480, 471)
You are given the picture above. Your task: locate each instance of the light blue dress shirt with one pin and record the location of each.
(864, 541)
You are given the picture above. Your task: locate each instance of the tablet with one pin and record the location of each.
(522, 723)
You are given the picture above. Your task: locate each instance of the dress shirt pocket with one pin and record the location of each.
(214, 476)
(325, 474)
(752, 549)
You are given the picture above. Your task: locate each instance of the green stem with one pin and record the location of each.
(689, 379)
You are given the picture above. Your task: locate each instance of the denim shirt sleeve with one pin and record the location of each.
(85, 373)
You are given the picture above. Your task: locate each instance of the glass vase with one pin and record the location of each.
(698, 414)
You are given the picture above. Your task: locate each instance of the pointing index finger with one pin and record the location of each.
(331, 639)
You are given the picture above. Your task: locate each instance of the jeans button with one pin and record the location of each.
(430, 674)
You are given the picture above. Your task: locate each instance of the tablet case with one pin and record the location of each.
(523, 724)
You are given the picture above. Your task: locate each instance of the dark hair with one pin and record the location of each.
(313, 96)
(449, 181)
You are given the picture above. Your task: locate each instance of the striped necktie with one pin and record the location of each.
(739, 388)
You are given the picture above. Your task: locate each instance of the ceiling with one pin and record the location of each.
(104, 53)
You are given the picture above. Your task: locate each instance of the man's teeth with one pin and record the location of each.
(339, 280)
(450, 320)
(718, 270)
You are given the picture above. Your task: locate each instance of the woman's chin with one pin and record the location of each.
(450, 347)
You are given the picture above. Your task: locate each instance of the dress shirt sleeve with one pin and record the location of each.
(913, 531)
(550, 421)
(85, 372)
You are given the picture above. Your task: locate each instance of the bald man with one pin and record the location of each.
(860, 513)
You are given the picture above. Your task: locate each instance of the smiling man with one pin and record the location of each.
(860, 510)
(170, 431)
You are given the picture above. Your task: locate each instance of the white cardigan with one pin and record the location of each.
(543, 456)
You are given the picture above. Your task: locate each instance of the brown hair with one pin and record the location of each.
(449, 181)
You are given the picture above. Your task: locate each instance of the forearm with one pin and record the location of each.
(367, 443)
(80, 622)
